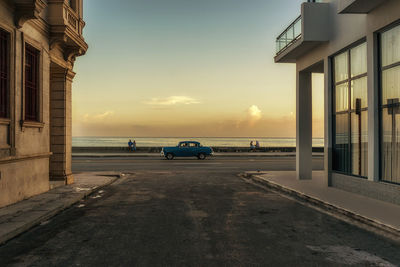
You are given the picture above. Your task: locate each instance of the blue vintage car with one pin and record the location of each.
(187, 149)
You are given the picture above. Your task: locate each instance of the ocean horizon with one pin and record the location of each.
(88, 141)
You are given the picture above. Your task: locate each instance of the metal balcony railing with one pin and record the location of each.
(289, 36)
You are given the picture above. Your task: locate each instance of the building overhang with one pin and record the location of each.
(358, 6)
(26, 10)
(315, 30)
(296, 50)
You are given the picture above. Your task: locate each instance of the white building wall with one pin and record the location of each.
(347, 29)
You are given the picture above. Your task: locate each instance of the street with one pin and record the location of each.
(194, 213)
(219, 164)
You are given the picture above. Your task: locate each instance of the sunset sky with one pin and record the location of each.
(201, 68)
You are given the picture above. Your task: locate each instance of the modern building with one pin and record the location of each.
(39, 41)
(356, 45)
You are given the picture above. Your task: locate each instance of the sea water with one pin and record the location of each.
(173, 141)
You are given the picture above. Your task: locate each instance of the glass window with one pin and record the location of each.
(359, 143)
(341, 67)
(390, 46)
(351, 112)
(342, 97)
(4, 73)
(390, 84)
(31, 83)
(358, 60)
(390, 105)
(359, 92)
(341, 147)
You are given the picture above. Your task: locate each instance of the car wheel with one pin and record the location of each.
(169, 156)
(201, 156)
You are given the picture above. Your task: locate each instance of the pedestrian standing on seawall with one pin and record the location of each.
(130, 144)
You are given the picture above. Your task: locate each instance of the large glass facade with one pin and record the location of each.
(350, 152)
(390, 105)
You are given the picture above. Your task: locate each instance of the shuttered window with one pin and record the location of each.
(4, 73)
(31, 83)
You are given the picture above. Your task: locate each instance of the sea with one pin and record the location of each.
(173, 141)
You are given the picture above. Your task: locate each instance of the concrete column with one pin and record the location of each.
(61, 123)
(328, 121)
(304, 126)
(373, 108)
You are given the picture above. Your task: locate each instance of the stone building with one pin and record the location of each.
(39, 41)
(356, 45)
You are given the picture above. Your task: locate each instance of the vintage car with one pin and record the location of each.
(187, 149)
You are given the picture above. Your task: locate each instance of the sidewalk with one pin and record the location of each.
(221, 154)
(375, 215)
(22, 216)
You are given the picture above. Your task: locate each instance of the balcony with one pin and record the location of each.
(358, 6)
(66, 28)
(304, 33)
(289, 36)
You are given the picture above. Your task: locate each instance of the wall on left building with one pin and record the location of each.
(36, 35)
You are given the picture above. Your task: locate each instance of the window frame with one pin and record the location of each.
(381, 107)
(33, 86)
(350, 110)
(7, 92)
(25, 123)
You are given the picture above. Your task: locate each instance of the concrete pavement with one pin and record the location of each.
(20, 217)
(378, 216)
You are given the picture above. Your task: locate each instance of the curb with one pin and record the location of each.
(328, 208)
(49, 214)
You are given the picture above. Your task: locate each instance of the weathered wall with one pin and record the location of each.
(23, 179)
(24, 161)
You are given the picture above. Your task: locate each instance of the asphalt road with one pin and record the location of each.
(221, 164)
(185, 213)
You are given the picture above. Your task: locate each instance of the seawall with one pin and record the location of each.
(158, 149)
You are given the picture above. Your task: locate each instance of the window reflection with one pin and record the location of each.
(390, 46)
(390, 106)
(351, 112)
(341, 67)
(359, 60)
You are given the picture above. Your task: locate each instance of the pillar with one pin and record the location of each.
(328, 130)
(373, 108)
(304, 125)
(61, 123)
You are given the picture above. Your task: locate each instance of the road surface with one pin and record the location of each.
(191, 213)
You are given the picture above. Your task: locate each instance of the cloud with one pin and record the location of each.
(254, 112)
(254, 115)
(172, 100)
(104, 115)
(97, 117)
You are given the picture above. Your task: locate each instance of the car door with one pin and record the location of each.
(183, 149)
(194, 149)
